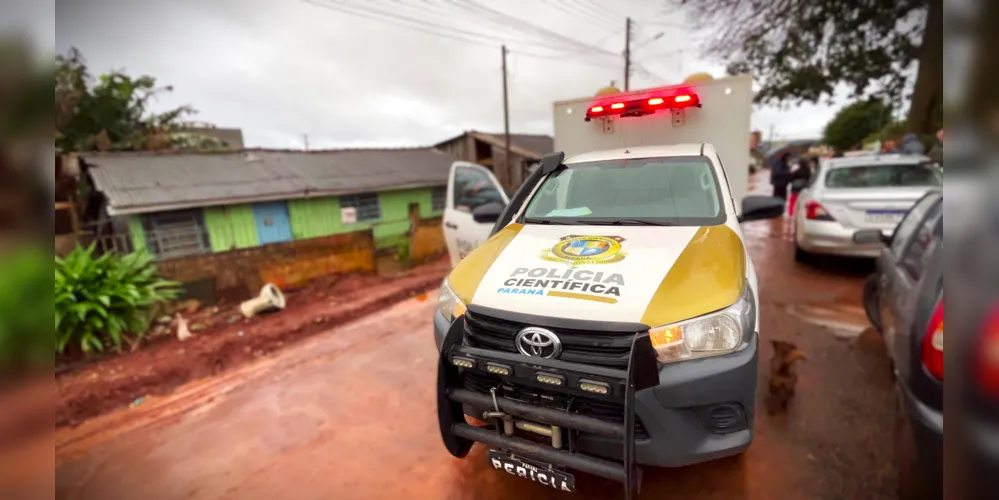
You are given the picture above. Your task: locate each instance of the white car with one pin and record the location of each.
(845, 195)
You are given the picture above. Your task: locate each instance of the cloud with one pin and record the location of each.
(283, 69)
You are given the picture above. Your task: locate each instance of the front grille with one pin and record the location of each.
(603, 410)
(609, 349)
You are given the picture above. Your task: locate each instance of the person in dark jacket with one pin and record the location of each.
(780, 176)
(802, 173)
(911, 145)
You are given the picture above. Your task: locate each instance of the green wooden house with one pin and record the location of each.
(185, 204)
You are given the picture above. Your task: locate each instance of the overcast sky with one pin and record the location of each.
(280, 69)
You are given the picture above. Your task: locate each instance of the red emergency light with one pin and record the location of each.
(643, 106)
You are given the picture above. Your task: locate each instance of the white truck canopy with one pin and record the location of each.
(715, 112)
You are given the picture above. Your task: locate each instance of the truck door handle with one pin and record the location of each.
(450, 225)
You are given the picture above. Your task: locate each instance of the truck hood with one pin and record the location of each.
(644, 274)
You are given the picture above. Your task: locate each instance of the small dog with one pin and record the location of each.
(783, 376)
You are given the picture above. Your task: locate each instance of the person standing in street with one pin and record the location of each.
(936, 153)
(802, 173)
(780, 176)
(911, 145)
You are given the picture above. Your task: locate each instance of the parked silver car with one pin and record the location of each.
(845, 195)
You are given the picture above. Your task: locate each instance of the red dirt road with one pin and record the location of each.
(350, 413)
(228, 340)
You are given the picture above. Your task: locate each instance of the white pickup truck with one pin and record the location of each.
(605, 316)
(722, 120)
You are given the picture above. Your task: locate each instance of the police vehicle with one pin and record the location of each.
(605, 316)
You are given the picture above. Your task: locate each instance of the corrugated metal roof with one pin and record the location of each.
(539, 144)
(152, 182)
(529, 145)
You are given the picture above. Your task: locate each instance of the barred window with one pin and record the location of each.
(366, 205)
(176, 234)
(438, 195)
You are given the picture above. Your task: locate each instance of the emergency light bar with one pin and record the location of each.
(643, 106)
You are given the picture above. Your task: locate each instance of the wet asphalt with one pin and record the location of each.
(350, 413)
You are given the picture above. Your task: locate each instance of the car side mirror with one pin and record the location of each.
(870, 237)
(761, 207)
(488, 213)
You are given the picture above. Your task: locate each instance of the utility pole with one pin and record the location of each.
(305, 139)
(507, 174)
(627, 52)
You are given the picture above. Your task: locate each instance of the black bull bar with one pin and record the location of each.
(458, 435)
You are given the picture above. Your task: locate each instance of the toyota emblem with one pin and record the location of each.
(538, 342)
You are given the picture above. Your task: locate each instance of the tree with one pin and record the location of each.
(801, 50)
(855, 123)
(113, 114)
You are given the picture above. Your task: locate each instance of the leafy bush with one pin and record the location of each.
(25, 300)
(101, 299)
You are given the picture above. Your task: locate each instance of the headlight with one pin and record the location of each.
(720, 332)
(448, 302)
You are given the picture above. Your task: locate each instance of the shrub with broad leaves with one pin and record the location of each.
(102, 301)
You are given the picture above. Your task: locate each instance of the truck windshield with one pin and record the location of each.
(679, 191)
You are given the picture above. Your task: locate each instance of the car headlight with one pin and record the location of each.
(448, 302)
(720, 332)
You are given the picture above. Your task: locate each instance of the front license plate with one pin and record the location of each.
(534, 470)
(884, 216)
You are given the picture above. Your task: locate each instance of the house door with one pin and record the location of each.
(273, 225)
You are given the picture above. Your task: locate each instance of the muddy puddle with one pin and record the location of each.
(843, 321)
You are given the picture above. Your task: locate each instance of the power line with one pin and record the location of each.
(645, 69)
(509, 22)
(581, 14)
(670, 52)
(441, 9)
(650, 40)
(668, 24)
(340, 8)
(598, 9)
(521, 25)
(357, 9)
(463, 9)
(443, 34)
(593, 46)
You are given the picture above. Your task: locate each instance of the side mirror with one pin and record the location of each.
(488, 213)
(761, 207)
(870, 237)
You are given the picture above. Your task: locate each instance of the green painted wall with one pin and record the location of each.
(138, 233)
(315, 217)
(231, 227)
(234, 226)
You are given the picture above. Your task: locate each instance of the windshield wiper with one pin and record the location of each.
(635, 222)
(530, 220)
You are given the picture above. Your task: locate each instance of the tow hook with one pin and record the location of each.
(509, 423)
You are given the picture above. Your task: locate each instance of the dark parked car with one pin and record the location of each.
(904, 301)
